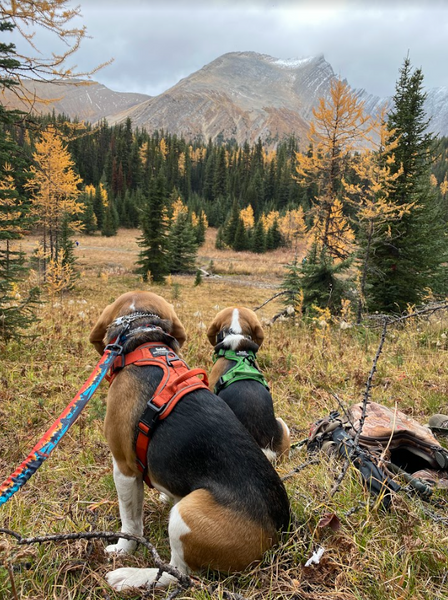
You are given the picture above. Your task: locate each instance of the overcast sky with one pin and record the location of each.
(155, 43)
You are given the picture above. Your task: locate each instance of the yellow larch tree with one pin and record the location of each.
(340, 126)
(54, 190)
(292, 226)
(247, 217)
(370, 197)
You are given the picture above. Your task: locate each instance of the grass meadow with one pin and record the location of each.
(400, 554)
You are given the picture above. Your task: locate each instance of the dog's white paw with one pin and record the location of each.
(127, 577)
(121, 547)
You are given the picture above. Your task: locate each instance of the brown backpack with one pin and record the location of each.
(390, 440)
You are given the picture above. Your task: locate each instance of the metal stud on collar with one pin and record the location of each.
(127, 319)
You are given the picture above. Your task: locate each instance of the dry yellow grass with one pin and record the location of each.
(400, 554)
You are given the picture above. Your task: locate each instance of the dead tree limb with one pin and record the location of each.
(272, 298)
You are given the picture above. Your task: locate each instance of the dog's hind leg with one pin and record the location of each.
(130, 502)
(126, 578)
(285, 443)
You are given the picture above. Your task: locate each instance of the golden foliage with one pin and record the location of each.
(195, 219)
(181, 163)
(444, 186)
(247, 216)
(55, 17)
(373, 168)
(178, 208)
(54, 186)
(58, 276)
(163, 147)
(339, 127)
(90, 190)
(268, 220)
(338, 231)
(292, 225)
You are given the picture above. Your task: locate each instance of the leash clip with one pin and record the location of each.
(117, 348)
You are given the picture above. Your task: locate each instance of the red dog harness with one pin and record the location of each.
(177, 381)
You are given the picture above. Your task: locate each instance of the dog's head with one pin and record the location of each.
(236, 323)
(134, 303)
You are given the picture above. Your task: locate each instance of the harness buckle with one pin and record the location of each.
(149, 417)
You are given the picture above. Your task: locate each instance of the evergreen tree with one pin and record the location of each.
(153, 259)
(182, 245)
(320, 283)
(16, 306)
(88, 218)
(259, 238)
(232, 225)
(111, 220)
(240, 240)
(98, 207)
(292, 285)
(409, 260)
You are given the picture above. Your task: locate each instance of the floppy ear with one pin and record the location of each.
(178, 330)
(258, 334)
(256, 330)
(99, 331)
(212, 332)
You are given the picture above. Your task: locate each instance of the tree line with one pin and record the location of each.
(366, 197)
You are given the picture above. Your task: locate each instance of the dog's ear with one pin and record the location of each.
(256, 330)
(178, 330)
(99, 331)
(258, 334)
(213, 331)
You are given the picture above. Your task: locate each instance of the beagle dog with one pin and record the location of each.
(229, 502)
(236, 335)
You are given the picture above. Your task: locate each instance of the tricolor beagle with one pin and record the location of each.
(230, 504)
(236, 335)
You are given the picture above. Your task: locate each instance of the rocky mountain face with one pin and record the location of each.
(240, 96)
(91, 102)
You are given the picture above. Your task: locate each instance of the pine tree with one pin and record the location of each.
(16, 305)
(98, 207)
(153, 259)
(292, 285)
(259, 238)
(182, 245)
(409, 260)
(240, 240)
(320, 284)
(111, 220)
(88, 217)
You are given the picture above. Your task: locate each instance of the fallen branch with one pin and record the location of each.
(272, 298)
(183, 579)
(312, 461)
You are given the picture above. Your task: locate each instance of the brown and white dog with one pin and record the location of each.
(238, 329)
(230, 504)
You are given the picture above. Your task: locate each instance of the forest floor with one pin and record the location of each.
(398, 554)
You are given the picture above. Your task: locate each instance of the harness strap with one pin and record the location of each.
(177, 381)
(245, 367)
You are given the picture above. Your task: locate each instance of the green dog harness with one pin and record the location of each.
(244, 368)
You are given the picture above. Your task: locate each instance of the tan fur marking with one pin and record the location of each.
(142, 301)
(219, 368)
(283, 448)
(122, 412)
(220, 538)
(250, 325)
